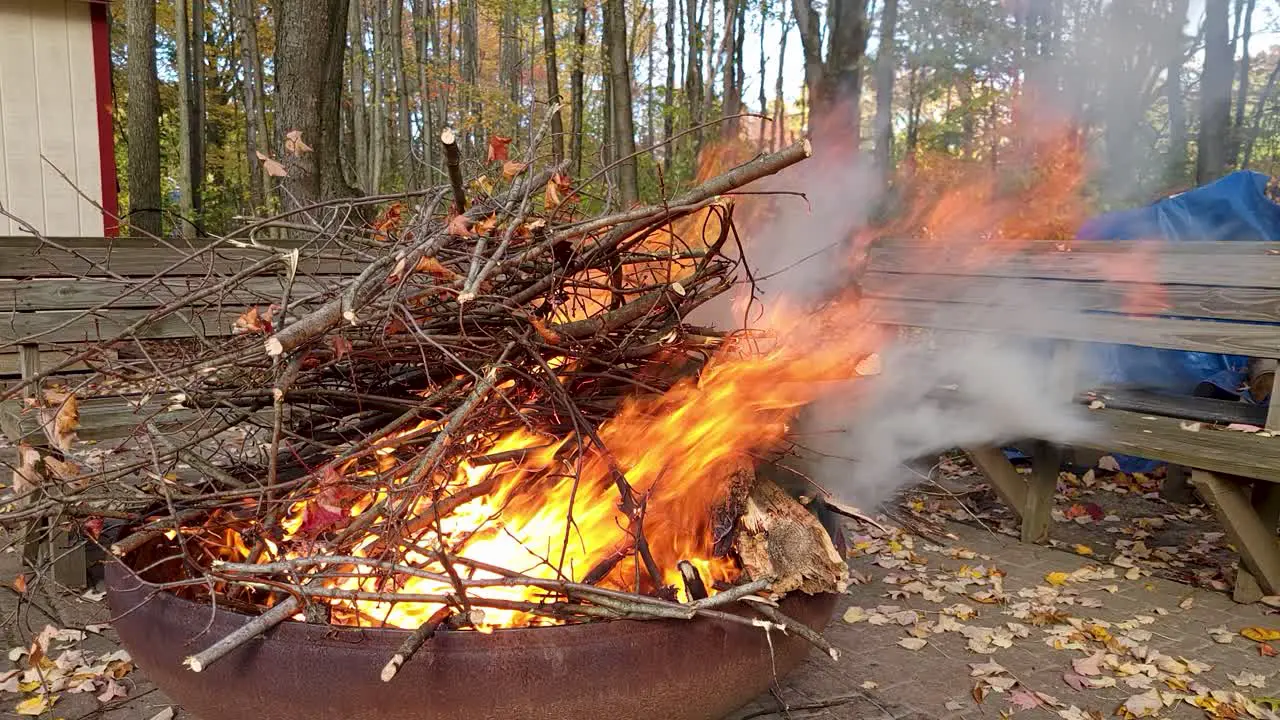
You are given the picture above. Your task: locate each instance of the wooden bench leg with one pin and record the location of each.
(1030, 498)
(1046, 460)
(1253, 536)
(70, 564)
(1266, 502)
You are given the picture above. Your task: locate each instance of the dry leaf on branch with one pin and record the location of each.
(61, 418)
(512, 168)
(273, 168)
(498, 148)
(293, 143)
(459, 226)
(26, 476)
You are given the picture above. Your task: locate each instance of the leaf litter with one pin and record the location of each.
(53, 665)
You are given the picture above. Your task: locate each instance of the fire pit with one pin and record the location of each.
(671, 669)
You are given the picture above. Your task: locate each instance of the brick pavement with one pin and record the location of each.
(876, 678)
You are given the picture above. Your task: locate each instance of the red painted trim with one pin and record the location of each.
(106, 131)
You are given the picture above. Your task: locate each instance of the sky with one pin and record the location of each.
(1266, 33)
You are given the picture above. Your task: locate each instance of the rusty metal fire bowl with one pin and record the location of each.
(620, 670)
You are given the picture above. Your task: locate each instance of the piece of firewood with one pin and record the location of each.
(779, 538)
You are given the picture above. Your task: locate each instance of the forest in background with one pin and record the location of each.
(229, 108)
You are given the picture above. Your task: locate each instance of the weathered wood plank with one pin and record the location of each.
(1041, 486)
(107, 418)
(26, 258)
(1226, 264)
(1256, 542)
(83, 293)
(1188, 408)
(1161, 438)
(10, 363)
(1007, 482)
(77, 326)
(1196, 301)
(1168, 333)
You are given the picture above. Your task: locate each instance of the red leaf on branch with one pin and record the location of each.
(498, 148)
(460, 226)
(341, 346)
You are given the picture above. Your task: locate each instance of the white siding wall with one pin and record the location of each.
(48, 105)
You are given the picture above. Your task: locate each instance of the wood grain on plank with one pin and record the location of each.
(83, 293)
(29, 257)
(1198, 301)
(1233, 264)
(1169, 333)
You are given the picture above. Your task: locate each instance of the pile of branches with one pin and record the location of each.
(444, 340)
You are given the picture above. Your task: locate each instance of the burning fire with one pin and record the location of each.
(549, 508)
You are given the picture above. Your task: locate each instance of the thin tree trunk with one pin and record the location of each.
(264, 144)
(253, 140)
(199, 149)
(848, 43)
(1174, 98)
(377, 106)
(623, 124)
(143, 118)
(1242, 84)
(469, 13)
(811, 40)
(1215, 94)
(693, 70)
(186, 134)
(1263, 99)
(713, 56)
(509, 60)
(649, 131)
(668, 97)
(311, 41)
(553, 79)
(732, 102)
(404, 139)
(576, 99)
(885, 64)
(779, 98)
(422, 16)
(359, 98)
(764, 95)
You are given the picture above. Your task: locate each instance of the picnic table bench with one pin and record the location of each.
(1213, 297)
(58, 296)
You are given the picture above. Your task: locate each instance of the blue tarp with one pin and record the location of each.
(1234, 208)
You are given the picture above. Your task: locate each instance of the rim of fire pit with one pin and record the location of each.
(699, 669)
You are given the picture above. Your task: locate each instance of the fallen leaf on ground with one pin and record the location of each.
(912, 643)
(165, 714)
(1265, 650)
(870, 685)
(854, 615)
(1148, 704)
(987, 668)
(1248, 679)
(954, 705)
(1091, 665)
(1222, 636)
(1261, 634)
(35, 705)
(1026, 700)
(1056, 578)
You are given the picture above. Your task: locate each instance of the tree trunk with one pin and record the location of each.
(509, 61)
(885, 64)
(404, 139)
(470, 18)
(553, 80)
(668, 97)
(143, 118)
(807, 23)
(713, 57)
(732, 102)
(1215, 94)
(1263, 99)
(359, 98)
(186, 134)
(764, 95)
(199, 149)
(606, 104)
(1173, 96)
(257, 105)
(693, 70)
(779, 98)
(649, 132)
(422, 17)
(244, 23)
(311, 39)
(576, 100)
(847, 21)
(1242, 84)
(378, 114)
(620, 83)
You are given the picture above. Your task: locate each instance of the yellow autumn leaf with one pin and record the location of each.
(35, 705)
(1083, 550)
(1056, 578)
(1261, 634)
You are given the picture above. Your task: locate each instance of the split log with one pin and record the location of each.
(779, 538)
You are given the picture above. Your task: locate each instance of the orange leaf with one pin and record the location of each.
(460, 226)
(552, 198)
(512, 168)
(65, 411)
(27, 475)
(486, 226)
(273, 168)
(249, 321)
(1265, 650)
(432, 266)
(20, 583)
(498, 148)
(293, 143)
(551, 336)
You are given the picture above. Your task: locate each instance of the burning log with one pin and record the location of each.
(782, 540)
